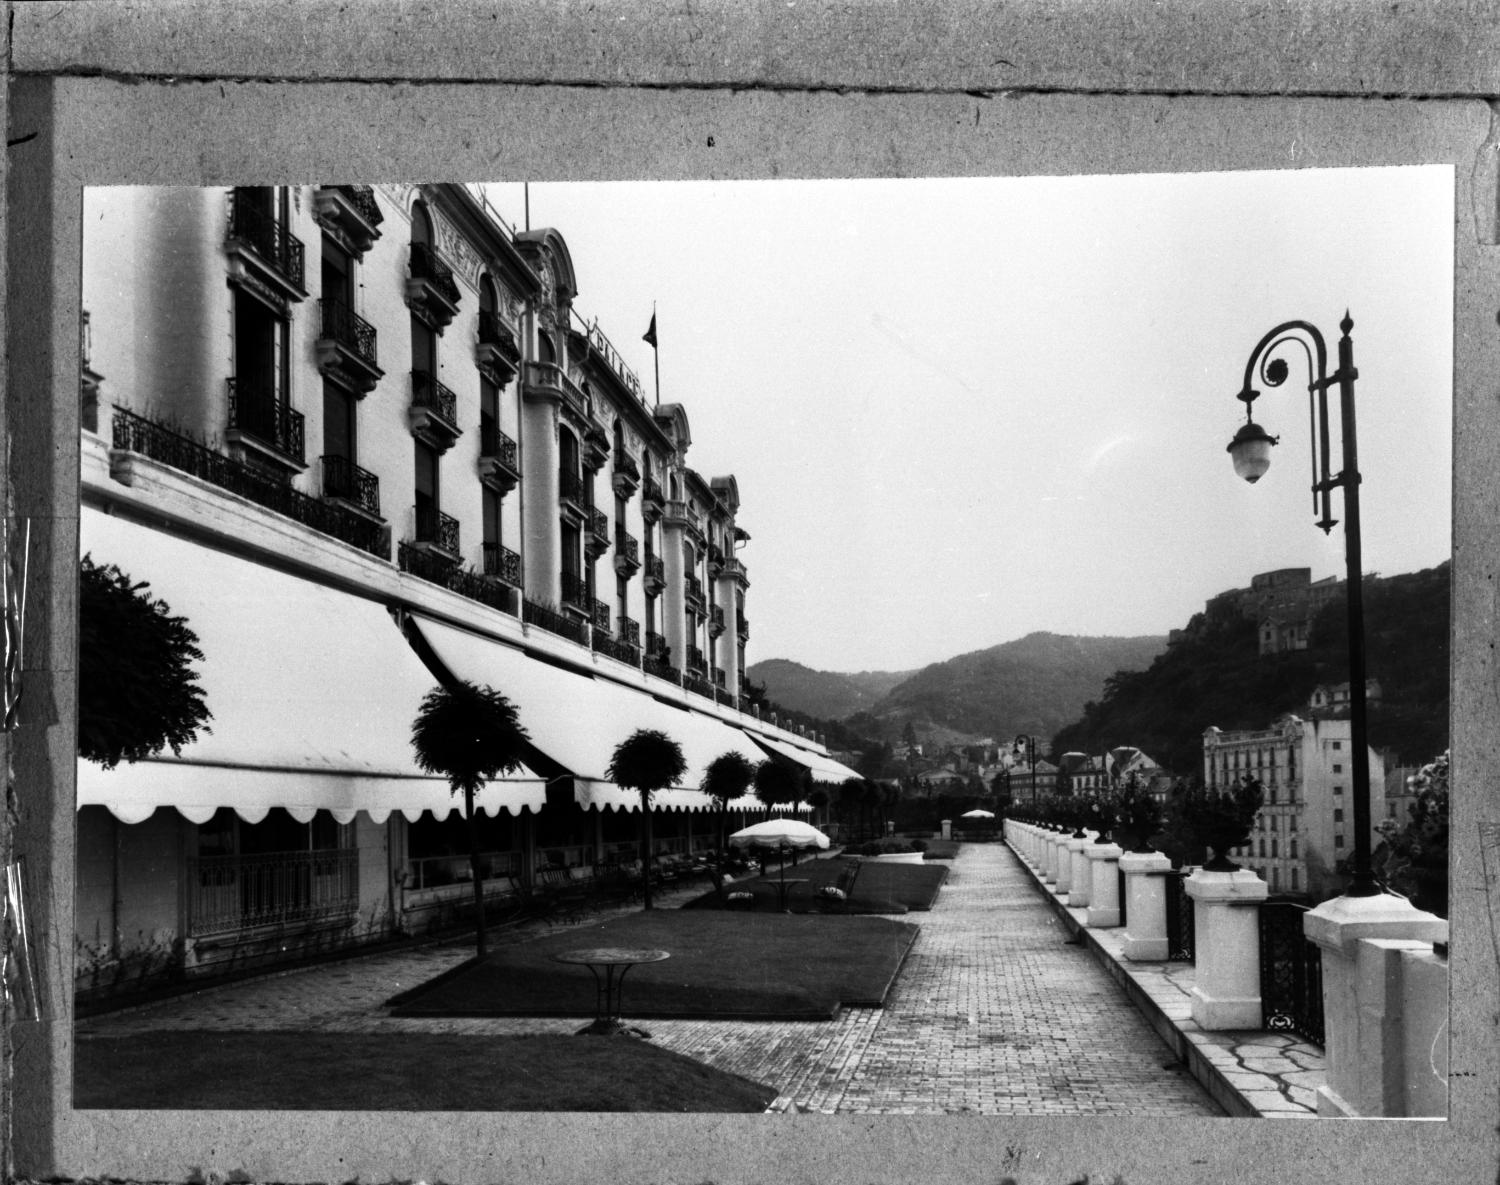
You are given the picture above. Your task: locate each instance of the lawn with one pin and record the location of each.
(881, 887)
(247, 1071)
(723, 965)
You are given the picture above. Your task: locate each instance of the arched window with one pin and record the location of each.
(545, 350)
(421, 226)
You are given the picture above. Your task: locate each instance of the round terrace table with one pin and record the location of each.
(609, 965)
(783, 887)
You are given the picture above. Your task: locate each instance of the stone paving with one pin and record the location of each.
(993, 1013)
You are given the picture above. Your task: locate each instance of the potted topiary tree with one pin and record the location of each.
(646, 761)
(1219, 820)
(727, 777)
(469, 735)
(1136, 815)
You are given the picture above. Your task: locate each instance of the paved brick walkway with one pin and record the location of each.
(991, 1014)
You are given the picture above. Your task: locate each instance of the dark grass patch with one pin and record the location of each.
(941, 849)
(248, 1071)
(724, 965)
(880, 887)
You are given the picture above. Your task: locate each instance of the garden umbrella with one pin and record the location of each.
(781, 833)
(977, 814)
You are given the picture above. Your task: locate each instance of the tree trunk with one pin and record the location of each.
(474, 872)
(646, 850)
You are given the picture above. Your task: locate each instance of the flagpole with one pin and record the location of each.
(656, 355)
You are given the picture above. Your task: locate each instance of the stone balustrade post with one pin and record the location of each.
(1054, 841)
(1079, 883)
(1104, 888)
(1065, 849)
(1226, 993)
(1145, 905)
(1373, 998)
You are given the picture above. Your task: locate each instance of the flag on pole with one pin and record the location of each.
(650, 334)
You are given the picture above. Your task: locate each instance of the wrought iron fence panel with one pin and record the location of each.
(276, 889)
(1181, 932)
(1291, 973)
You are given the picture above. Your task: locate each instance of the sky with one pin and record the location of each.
(963, 410)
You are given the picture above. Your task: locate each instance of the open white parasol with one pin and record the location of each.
(977, 814)
(780, 833)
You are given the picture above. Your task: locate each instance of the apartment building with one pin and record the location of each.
(1306, 824)
(361, 439)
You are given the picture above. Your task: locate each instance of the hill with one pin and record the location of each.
(826, 695)
(1215, 676)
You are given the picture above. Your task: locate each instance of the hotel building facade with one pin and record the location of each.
(360, 439)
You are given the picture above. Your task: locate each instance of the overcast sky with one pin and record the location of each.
(961, 410)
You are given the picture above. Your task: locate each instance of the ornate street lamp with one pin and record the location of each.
(1251, 452)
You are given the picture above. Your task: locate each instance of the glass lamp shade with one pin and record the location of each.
(1250, 450)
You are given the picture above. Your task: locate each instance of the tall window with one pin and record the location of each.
(260, 351)
(339, 437)
(338, 274)
(426, 491)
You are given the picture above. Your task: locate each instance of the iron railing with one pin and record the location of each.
(227, 893)
(599, 614)
(554, 622)
(427, 392)
(1291, 973)
(255, 409)
(656, 644)
(716, 619)
(453, 576)
(342, 478)
(742, 624)
(693, 588)
(493, 331)
(1181, 931)
(343, 325)
(626, 466)
(652, 492)
(575, 591)
(426, 265)
(719, 677)
(362, 198)
(433, 526)
(502, 563)
(432, 872)
(133, 433)
(1120, 891)
(616, 648)
(630, 631)
(698, 685)
(695, 660)
(656, 570)
(599, 528)
(627, 547)
(495, 443)
(570, 488)
(267, 237)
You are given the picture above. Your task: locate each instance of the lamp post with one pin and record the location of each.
(1251, 452)
(1026, 745)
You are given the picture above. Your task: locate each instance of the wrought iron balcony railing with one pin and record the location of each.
(625, 465)
(616, 648)
(656, 645)
(426, 265)
(627, 550)
(570, 488)
(268, 238)
(502, 563)
(447, 571)
(652, 492)
(715, 556)
(362, 198)
(695, 660)
(346, 327)
(499, 337)
(716, 619)
(496, 445)
(599, 614)
(342, 478)
(630, 631)
(544, 617)
(275, 889)
(437, 528)
(698, 685)
(599, 528)
(575, 592)
(432, 396)
(136, 434)
(656, 571)
(719, 676)
(743, 625)
(692, 588)
(255, 410)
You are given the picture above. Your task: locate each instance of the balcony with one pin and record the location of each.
(616, 648)
(549, 619)
(433, 413)
(570, 492)
(431, 291)
(630, 632)
(502, 564)
(499, 460)
(346, 347)
(264, 255)
(265, 424)
(597, 542)
(282, 889)
(346, 482)
(653, 501)
(442, 569)
(599, 615)
(656, 575)
(497, 352)
(695, 660)
(543, 382)
(656, 646)
(627, 554)
(350, 214)
(135, 434)
(694, 682)
(742, 625)
(719, 678)
(692, 589)
(715, 559)
(576, 595)
(438, 531)
(595, 450)
(715, 620)
(627, 475)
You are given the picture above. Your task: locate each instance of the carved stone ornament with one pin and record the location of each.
(549, 292)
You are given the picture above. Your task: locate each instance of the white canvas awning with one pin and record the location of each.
(822, 768)
(313, 693)
(578, 720)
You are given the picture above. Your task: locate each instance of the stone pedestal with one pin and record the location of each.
(1227, 944)
(1145, 905)
(1363, 940)
(1104, 890)
(1066, 846)
(947, 825)
(1078, 881)
(1053, 840)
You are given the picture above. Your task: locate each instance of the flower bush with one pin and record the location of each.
(1412, 859)
(1220, 820)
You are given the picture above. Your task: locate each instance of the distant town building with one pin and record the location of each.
(1333, 699)
(1283, 603)
(1306, 823)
